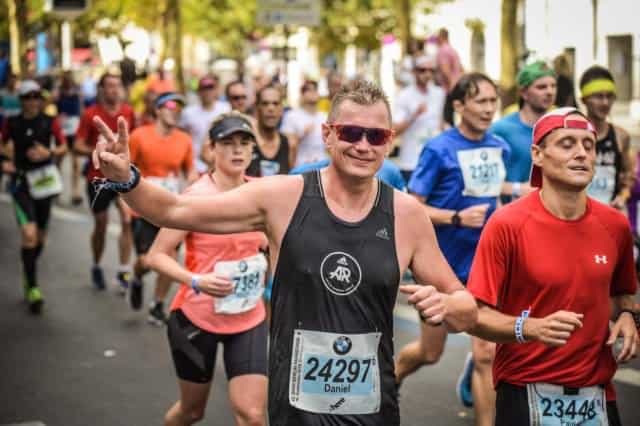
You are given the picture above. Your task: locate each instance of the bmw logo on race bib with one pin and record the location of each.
(242, 266)
(341, 273)
(342, 345)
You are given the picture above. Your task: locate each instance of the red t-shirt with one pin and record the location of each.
(529, 259)
(87, 129)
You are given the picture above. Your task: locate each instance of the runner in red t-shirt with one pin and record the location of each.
(544, 272)
(108, 108)
(208, 309)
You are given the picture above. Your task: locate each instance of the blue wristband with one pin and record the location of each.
(194, 283)
(519, 327)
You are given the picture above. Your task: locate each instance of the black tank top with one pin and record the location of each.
(278, 165)
(340, 278)
(606, 181)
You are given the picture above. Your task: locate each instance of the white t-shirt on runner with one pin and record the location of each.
(426, 126)
(311, 148)
(197, 121)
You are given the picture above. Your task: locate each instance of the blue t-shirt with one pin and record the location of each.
(389, 173)
(518, 136)
(454, 173)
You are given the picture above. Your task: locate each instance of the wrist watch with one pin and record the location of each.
(455, 219)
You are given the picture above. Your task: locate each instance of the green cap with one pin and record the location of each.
(532, 72)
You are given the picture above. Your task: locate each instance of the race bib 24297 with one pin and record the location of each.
(334, 373)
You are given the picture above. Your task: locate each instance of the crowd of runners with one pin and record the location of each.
(298, 233)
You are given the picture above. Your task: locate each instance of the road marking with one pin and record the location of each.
(35, 423)
(629, 376)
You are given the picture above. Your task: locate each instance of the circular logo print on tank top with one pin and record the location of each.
(340, 273)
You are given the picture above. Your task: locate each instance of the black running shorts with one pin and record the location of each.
(144, 233)
(27, 209)
(99, 201)
(512, 407)
(194, 350)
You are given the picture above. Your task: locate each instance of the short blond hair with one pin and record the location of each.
(361, 92)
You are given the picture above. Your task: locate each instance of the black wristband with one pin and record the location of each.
(124, 187)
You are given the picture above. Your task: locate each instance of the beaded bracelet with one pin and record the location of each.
(519, 327)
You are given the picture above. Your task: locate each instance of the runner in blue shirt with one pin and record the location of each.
(459, 177)
(537, 91)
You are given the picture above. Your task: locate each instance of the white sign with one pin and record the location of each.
(293, 12)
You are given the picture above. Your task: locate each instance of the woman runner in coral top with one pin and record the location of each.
(220, 299)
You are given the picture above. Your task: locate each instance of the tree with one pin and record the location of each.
(509, 42)
(363, 23)
(25, 18)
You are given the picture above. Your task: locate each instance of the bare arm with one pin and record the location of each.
(622, 302)
(160, 256)
(627, 178)
(624, 327)
(553, 330)
(240, 210)
(471, 217)
(161, 259)
(294, 142)
(81, 147)
(443, 298)
(401, 126)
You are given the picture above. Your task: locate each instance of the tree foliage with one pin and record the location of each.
(363, 23)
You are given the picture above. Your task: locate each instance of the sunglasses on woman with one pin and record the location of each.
(353, 134)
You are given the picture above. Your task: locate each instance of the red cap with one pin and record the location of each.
(556, 119)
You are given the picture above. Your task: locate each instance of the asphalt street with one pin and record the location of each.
(90, 360)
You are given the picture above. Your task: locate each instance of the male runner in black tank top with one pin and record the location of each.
(615, 160)
(34, 141)
(271, 155)
(340, 241)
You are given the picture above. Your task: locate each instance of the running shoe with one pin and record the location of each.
(123, 281)
(134, 294)
(97, 276)
(463, 387)
(35, 300)
(157, 316)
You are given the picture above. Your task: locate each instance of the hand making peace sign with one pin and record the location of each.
(111, 155)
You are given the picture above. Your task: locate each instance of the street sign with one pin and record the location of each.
(289, 12)
(66, 9)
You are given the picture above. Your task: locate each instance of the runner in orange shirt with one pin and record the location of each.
(208, 308)
(162, 152)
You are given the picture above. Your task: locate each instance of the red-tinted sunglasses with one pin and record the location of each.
(353, 134)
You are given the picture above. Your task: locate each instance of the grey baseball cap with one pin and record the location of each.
(230, 125)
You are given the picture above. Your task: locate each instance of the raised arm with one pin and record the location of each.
(239, 210)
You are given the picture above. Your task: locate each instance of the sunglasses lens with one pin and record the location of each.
(376, 136)
(351, 134)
